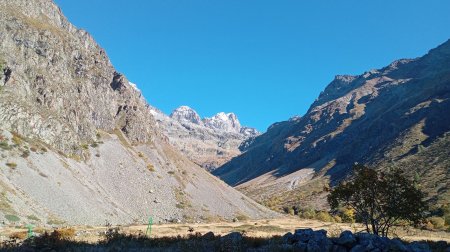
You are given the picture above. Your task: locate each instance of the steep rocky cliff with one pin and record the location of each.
(78, 142)
(208, 142)
(394, 116)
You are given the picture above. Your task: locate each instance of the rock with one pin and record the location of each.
(288, 238)
(419, 247)
(346, 239)
(303, 235)
(397, 245)
(209, 236)
(338, 248)
(234, 237)
(359, 248)
(300, 247)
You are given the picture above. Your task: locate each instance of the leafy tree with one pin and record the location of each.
(380, 199)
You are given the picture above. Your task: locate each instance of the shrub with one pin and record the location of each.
(4, 145)
(12, 218)
(150, 167)
(307, 213)
(25, 154)
(65, 233)
(347, 215)
(19, 235)
(94, 145)
(438, 222)
(33, 217)
(43, 149)
(33, 149)
(171, 172)
(16, 139)
(11, 165)
(85, 146)
(140, 154)
(324, 216)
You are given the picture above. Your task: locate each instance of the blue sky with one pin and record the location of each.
(264, 60)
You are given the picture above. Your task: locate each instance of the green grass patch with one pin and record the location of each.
(12, 218)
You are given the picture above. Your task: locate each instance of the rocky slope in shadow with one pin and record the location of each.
(394, 116)
(78, 143)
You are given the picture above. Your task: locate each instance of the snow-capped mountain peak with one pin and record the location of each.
(186, 114)
(223, 121)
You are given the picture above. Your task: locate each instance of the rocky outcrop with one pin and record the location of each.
(58, 82)
(390, 116)
(209, 142)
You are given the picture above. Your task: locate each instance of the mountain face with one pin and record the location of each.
(208, 142)
(78, 142)
(394, 116)
(186, 114)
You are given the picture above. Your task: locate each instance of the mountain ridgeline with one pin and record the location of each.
(208, 142)
(394, 116)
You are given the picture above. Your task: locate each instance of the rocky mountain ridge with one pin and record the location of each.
(78, 141)
(208, 142)
(394, 116)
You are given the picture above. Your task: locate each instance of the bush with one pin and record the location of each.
(25, 154)
(4, 145)
(16, 139)
(65, 233)
(12, 218)
(347, 215)
(307, 213)
(438, 222)
(19, 235)
(11, 165)
(324, 216)
(150, 167)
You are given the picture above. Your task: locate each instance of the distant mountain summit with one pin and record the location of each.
(209, 142)
(186, 114)
(223, 121)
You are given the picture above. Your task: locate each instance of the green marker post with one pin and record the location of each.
(30, 231)
(149, 227)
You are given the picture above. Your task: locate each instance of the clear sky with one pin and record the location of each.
(264, 60)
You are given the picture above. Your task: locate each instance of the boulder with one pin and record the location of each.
(288, 238)
(397, 245)
(300, 247)
(419, 247)
(359, 248)
(209, 236)
(234, 237)
(338, 248)
(303, 235)
(346, 239)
